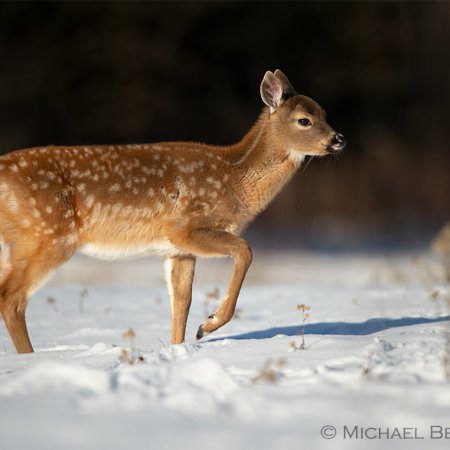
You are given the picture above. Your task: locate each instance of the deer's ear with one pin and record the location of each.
(288, 89)
(271, 91)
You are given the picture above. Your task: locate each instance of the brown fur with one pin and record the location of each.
(177, 199)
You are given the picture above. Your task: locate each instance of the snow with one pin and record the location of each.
(377, 348)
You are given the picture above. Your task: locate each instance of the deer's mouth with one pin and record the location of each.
(333, 149)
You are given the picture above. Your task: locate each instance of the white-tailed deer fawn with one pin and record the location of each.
(176, 199)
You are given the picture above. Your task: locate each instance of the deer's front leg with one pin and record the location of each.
(179, 276)
(205, 242)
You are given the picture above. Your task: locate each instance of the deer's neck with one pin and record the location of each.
(263, 165)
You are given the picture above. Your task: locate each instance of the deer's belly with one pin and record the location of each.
(111, 252)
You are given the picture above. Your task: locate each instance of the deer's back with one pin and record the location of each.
(115, 196)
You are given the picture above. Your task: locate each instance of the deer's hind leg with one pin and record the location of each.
(12, 307)
(22, 271)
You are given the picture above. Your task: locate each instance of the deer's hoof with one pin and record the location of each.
(200, 332)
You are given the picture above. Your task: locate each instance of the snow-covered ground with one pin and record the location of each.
(377, 349)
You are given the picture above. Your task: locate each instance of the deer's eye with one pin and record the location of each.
(304, 122)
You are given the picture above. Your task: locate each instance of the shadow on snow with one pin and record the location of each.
(370, 326)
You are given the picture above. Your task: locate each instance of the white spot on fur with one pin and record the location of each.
(72, 239)
(117, 208)
(89, 201)
(114, 188)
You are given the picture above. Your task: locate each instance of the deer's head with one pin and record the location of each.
(296, 121)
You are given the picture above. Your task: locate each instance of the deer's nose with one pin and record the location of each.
(338, 142)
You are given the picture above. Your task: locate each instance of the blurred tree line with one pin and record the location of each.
(127, 72)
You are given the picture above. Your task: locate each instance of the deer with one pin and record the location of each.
(179, 200)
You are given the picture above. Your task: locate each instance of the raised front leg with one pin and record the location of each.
(179, 276)
(205, 242)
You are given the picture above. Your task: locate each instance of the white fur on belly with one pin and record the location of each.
(114, 253)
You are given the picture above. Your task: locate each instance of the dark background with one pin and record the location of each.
(129, 72)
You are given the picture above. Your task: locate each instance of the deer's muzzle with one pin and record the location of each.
(338, 143)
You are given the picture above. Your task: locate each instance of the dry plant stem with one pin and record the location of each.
(83, 296)
(270, 371)
(305, 315)
(367, 370)
(130, 335)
